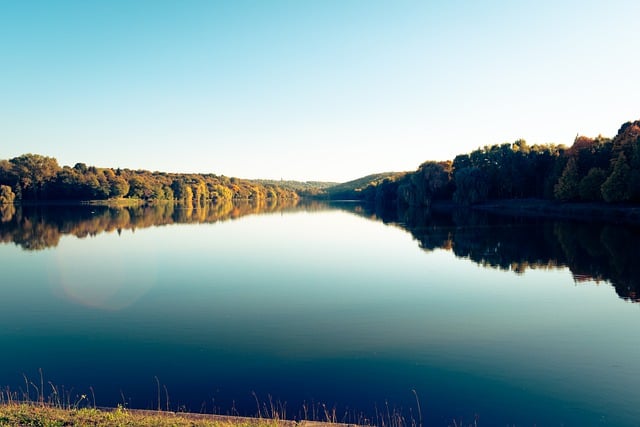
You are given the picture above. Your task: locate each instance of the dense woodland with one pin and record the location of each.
(591, 170)
(33, 177)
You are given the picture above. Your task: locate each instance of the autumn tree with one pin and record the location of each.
(221, 193)
(140, 188)
(7, 196)
(187, 196)
(201, 193)
(7, 177)
(34, 172)
(118, 187)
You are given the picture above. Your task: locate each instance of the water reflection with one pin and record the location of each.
(37, 227)
(325, 308)
(592, 251)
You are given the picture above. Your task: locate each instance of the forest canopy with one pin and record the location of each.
(591, 170)
(33, 177)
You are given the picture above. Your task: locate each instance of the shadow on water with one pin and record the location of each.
(592, 251)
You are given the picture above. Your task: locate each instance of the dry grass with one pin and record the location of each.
(47, 416)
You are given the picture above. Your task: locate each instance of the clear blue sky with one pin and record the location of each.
(326, 90)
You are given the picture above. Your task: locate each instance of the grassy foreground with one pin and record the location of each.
(14, 414)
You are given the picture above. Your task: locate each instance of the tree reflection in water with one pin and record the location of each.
(36, 227)
(592, 251)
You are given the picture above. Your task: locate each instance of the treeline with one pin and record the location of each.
(591, 170)
(33, 177)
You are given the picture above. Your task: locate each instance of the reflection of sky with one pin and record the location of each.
(108, 273)
(315, 287)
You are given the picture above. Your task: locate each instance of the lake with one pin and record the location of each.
(313, 310)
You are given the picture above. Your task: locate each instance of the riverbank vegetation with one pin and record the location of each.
(24, 414)
(594, 170)
(37, 178)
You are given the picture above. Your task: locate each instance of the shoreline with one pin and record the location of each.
(624, 214)
(33, 413)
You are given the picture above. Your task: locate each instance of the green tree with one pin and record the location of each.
(589, 187)
(616, 187)
(471, 186)
(431, 181)
(567, 187)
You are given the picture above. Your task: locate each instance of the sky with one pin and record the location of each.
(327, 90)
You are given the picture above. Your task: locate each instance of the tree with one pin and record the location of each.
(616, 188)
(140, 188)
(178, 187)
(80, 167)
(33, 172)
(429, 182)
(201, 193)
(271, 193)
(461, 161)
(6, 173)
(567, 187)
(188, 196)
(521, 146)
(119, 187)
(589, 187)
(471, 186)
(220, 192)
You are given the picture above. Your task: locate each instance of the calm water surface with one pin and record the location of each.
(501, 320)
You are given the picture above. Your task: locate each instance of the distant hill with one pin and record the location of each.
(350, 190)
(297, 186)
(353, 189)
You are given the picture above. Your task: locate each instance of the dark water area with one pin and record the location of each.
(318, 310)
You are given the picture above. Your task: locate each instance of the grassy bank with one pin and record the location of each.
(47, 416)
